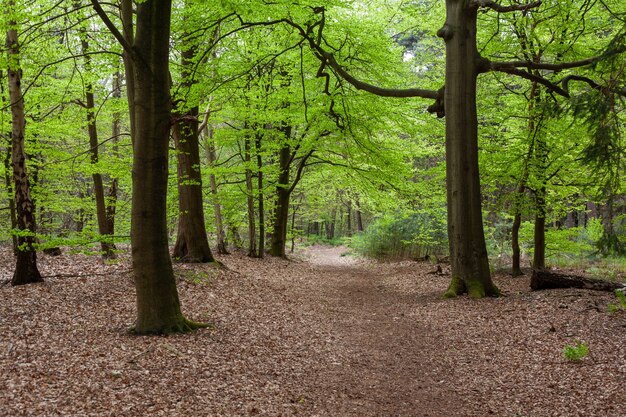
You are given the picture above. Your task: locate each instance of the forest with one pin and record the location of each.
(332, 207)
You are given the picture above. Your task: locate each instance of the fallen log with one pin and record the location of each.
(545, 280)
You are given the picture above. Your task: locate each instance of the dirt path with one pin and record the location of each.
(320, 335)
(382, 365)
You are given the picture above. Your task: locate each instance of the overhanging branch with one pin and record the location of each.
(505, 9)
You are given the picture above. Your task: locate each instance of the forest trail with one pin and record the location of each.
(322, 334)
(383, 354)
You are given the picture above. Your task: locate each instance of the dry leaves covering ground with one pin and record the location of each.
(322, 335)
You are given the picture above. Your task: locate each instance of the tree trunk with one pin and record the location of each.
(281, 211)
(98, 186)
(222, 243)
(111, 201)
(545, 280)
(158, 305)
(358, 216)
(468, 251)
(8, 179)
(259, 164)
(26, 271)
(252, 250)
(539, 257)
(191, 244)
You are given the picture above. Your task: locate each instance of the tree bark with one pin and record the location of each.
(222, 243)
(158, 305)
(26, 270)
(544, 280)
(252, 250)
(98, 186)
(111, 200)
(259, 164)
(281, 211)
(468, 251)
(191, 244)
(8, 179)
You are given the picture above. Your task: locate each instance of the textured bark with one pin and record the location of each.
(108, 249)
(281, 211)
(468, 251)
(111, 200)
(158, 305)
(539, 255)
(191, 244)
(544, 280)
(26, 271)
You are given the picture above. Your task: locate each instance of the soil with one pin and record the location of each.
(322, 334)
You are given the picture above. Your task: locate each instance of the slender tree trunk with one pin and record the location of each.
(259, 164)
(281, 212)
(26, 271)
(358, 216)
(252, 250)
(468, 251)
(222, 243)
(539, 258)
(111, 200)
(98, 186)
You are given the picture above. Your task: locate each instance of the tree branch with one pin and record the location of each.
(540, 80)
(113, 29)
(565, 83)
(505, 9)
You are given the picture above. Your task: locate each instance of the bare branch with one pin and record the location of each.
(540, 80)
(565, 83)
(505, 9)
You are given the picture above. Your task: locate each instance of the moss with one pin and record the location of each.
(183, 325)
(473, 287)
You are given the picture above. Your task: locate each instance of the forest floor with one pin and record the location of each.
(319, 335)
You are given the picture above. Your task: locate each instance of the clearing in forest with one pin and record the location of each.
(320, 335)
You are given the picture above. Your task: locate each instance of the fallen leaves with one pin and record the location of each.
(323, 336)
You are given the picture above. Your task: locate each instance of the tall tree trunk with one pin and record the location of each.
(539, 256)
(281, 211)
(222, 243)
(358, 216)
(111, 200)
(8, 179)
(98, 186)
(26, 271)
(259, 164)
(252, 250)
(158, 305)
(468, 251)
(192, 244)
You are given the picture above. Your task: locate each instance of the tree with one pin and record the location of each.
(158, 305)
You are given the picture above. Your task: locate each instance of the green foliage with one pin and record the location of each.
(409, 236)
(577, 352)
(621, 302)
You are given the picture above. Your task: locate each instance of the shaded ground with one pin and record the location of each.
(323, 335)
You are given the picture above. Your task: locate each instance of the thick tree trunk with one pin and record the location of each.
(158, 305)
(252, 250)
(98, 186)
(544, 280)
(191, 244)
(281, 211)
(358, 216)
(468, 251)
(26, 271)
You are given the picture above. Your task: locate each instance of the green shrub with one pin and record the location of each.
(577, 352)
(408, 236)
